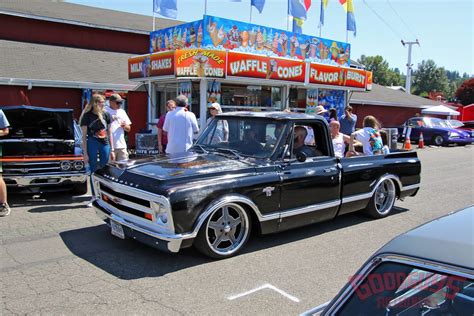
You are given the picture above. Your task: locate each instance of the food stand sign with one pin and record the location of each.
(138, 67)
(337, 76)
(355, 78)
(256, 66)
(200, 63)
(369, 80)
(157, 64)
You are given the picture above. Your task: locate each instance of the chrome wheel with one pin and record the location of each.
(227, 229)
(384, 197)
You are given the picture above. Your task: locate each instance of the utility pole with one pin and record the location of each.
(409, 64)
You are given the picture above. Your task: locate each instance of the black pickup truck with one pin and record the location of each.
(247, 177)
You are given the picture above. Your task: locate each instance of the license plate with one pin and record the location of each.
(117, 229)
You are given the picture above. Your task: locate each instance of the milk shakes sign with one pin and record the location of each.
(157, 64)
(255, 66)
(200, 63)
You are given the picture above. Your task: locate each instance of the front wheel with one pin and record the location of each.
(438, 140)
(225, 232)
(381, 203)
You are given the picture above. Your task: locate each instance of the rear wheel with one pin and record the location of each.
(438, 140)
(381, 203)
(225, 232)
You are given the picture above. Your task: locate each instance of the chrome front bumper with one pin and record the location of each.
(162, 241)
(44, 179)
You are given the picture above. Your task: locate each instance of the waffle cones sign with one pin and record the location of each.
(200, 63)
(256, 66)
(336, 76)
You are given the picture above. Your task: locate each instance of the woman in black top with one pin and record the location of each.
(96, 134)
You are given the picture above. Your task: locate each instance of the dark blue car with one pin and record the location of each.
(435, 132)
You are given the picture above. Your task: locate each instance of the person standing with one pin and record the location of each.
(97, 138)
(180, 126)
(221, 132)
(348, 121)
(162, 135)
(120, 124)
(332, 115)
(4, 207)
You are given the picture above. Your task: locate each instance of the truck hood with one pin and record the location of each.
(185, 165)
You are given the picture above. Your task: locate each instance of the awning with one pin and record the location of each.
(439, 110)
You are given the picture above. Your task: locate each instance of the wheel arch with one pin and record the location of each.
(396, 180)
(242, 200)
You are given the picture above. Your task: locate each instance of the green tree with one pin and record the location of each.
(428, 77)
(382, 74)
(465, 93)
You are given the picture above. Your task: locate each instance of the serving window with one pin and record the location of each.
(242, 97)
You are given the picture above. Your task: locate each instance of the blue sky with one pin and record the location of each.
(444, 28)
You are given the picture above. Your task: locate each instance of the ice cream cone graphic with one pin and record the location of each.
(200, 62)
(271, 68)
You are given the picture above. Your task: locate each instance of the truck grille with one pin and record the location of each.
(30, 168)
(125, 202)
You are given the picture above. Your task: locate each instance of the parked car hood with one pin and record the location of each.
(38, 131)
(186, 165)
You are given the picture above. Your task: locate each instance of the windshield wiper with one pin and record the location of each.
(202, 148)
(233, 151)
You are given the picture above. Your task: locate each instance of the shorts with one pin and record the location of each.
(121, 154)
(1, 159)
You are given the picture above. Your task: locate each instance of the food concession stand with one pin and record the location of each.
(245, 66)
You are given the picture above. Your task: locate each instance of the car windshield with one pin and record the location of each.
(436, 122)
(454, 123)
(241, 136)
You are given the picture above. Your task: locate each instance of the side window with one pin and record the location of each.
(310, 139)
(398, 289)
(412, 123)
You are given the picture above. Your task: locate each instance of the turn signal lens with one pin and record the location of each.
(148, 216)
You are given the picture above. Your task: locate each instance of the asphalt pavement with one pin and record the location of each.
(57, 257)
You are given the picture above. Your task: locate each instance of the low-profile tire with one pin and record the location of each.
(381, 203)
(438, 140)
(79, 188)
(224, 232)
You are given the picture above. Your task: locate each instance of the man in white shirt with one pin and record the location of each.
(180, 125)
(120, 124)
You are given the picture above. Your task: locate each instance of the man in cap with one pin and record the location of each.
(120, 124)
(348, 121)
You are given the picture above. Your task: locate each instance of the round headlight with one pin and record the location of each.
(78, 165)
(65, 165)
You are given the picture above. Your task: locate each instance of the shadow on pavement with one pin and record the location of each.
(127, 259)
(48, 202)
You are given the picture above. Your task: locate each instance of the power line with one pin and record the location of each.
(406, 25)
(383, 21)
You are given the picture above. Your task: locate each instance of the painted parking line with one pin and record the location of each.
(265, 286)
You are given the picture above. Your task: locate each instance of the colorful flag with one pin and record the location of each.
(324, 4)
(168, 8)
(349, 8)
(298, 8)
(258, 4)
(298, 25)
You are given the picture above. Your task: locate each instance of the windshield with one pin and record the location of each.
(436, 122)
(454, 123)
(253, 137)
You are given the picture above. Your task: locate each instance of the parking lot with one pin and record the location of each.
(57, 257)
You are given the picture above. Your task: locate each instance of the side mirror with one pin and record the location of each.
(301, 157)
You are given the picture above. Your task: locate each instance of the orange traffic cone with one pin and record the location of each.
(421, 142)
(407, 144)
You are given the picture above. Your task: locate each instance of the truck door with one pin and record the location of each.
(310, 189)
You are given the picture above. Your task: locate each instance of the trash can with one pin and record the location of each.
(392, 137)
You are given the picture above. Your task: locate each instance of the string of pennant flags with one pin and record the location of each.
(297, 10)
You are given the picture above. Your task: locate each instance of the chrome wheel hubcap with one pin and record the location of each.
(385, 196)
(227, 229)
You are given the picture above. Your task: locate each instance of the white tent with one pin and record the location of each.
(440, 110)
